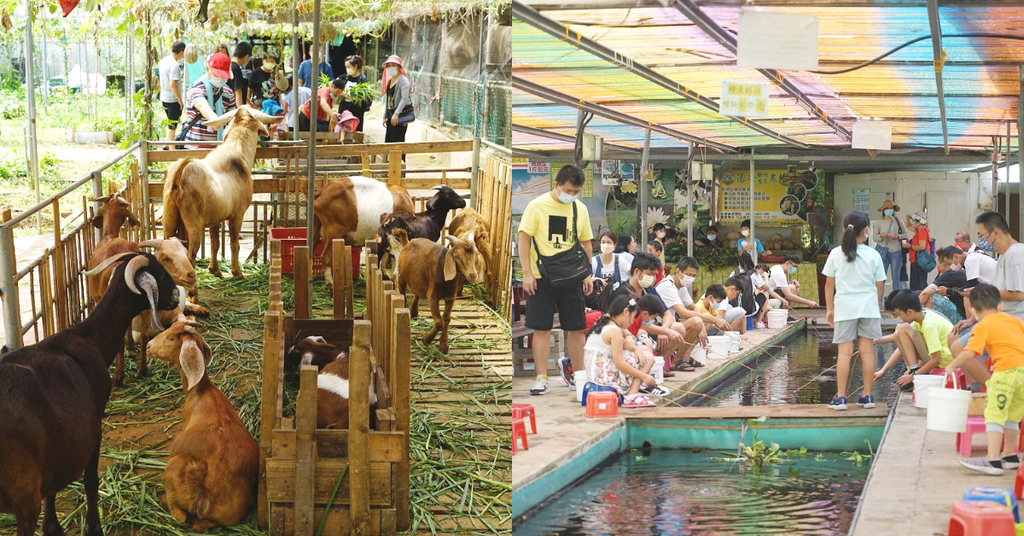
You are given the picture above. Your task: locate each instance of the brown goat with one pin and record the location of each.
(436, 273)
(469, 221)
(351, 208)
(314, 350)
(200, 193)
(213, 467)
(115, 211)
(332, 396)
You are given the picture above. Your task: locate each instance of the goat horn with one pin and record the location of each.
(151, 243)
(102, 199)
(452, 240)
(134, 265)
(222, 120)
(103, 265)
(262, 117)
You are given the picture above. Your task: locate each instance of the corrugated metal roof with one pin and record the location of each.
(980, 76)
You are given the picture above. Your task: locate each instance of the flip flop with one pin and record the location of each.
(637, 400)
(683, 366)
(695, 364)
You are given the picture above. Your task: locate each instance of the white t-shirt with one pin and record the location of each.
(1010, 276)
(170, 73)
(777, 277)
(856, 288)
(979, 266)
(608, 270)
(304, 94)
(666, 288)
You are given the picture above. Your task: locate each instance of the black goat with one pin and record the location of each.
(427, 224)
(53, 395)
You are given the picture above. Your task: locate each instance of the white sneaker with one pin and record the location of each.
(539, 387)
(759, 325)
(981, 465)
(1009, 463)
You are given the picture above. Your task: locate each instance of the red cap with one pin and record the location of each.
(220, 65)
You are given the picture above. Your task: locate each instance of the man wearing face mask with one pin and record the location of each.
(710, 239)
(262, 82)
(208, 98)
(676, 291)
(748, 244)
(547, 229)
(788, 291)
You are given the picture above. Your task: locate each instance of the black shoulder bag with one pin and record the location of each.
(568, 268)
(188, 126)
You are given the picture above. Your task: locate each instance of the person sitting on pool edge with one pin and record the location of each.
(609, 363)
(921, 338)
(1002, 335)
(787, 292)
(735, 315)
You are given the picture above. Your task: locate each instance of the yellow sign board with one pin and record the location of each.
(780, 196)
(744, 99)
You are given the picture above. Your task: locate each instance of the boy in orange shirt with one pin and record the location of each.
(1003, 336)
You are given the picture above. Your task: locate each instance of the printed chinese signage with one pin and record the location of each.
(781, 197)
(744, 99)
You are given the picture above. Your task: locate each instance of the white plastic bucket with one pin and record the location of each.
(734, 340)
(699, 355)
(580, 377)
(719, 346)
(947, 409)
(924, 383)
(777, 318)
(658, 371)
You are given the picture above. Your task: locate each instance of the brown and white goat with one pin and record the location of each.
(469, 221)
(332, 395)
(200, 193)
(435, 273)
(351, 208)
(314, 350)
(53, 395)
(213, 467)
(427, 224)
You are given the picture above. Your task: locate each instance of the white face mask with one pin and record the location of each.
(392, 71)
(566, 198)
(269, 66)
(607, 248)
(646, 281)
(745, 232)
(218, 82)
(351, 72)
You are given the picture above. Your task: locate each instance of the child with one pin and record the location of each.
(853, 287)
(610, 363)
(921, 340)
(1003, 336)
(732, 311)
(657, 248)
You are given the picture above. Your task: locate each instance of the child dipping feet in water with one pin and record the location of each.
(1003, 336)
(853, 287)
(608, 361)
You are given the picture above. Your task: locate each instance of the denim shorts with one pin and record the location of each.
(965, 335)
(848, 330)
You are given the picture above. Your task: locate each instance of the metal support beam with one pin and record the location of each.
(607, 113)
(641, 181)
(567, 138)
(1020, 155)
(31, 141)
(939, 59)
(728, 40)
(296, 60)
(751, 239)
(9, 289)
(314, 104)
(532, 17)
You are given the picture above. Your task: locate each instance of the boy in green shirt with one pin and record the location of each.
(921, 340)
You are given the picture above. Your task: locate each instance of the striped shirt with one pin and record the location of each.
(197, 93)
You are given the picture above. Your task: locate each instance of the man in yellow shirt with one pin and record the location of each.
(1003, 336)
(546, 227)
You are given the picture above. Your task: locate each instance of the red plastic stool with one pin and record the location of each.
(981, 518)
(521, 411)
(1018, 484)
(602, 404)
(519, 432)
(975, 425)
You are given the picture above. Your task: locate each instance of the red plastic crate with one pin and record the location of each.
(296, 236)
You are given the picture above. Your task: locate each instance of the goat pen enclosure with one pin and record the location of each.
(353, 481)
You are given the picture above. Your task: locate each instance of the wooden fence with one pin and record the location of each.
(494, 202)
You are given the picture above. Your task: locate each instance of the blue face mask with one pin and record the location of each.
(792, 270)
(888, 212)
(712, 237)
(649, 322)
(566, 198)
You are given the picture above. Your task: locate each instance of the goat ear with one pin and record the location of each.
(97, 220)
(192, 362)
(102, 199)
(449, 265)
(207, 353)
(132, 220)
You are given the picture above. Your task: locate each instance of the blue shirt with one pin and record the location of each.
(306, 69)
(743, 243)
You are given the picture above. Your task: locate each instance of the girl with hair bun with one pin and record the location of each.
(854, 278)
(608, 360)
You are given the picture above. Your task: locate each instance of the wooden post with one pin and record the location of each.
(275, 272)
(401, 358)
(364, 158)
(305, 449)
(59, 271)
(359, 427)
(340, 286)
(346, 257)
(395, 167)
(268, 405)
(301, 275)
(47, 295)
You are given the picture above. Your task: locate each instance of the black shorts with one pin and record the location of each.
(541, 307)
(173, 110)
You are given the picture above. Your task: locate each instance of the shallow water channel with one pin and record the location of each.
(700, 493)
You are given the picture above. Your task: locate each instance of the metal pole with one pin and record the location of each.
(97, 191)
(995, 170)
(148, 128)
(1006, 165)
(314, 104)
(296, 60)
(9, 290)
(147, 225)
(751, 238)
(46, 79)
(30, 87)
(473, 174)
(641, 176)
(689, 202)
(1020, 158)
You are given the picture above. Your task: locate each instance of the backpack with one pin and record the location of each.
(746, 297)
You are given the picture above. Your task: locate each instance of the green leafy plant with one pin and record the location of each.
(362, 94)
(709, 258)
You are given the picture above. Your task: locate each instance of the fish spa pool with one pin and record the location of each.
(677, 469)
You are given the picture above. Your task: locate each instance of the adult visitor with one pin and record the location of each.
(209, 97)
(305, 73)
(326, 115)
(747, 243)
(262, 82)
(287, 102)
(710, 239)
(626, 246)
(788, 291)
(919, 242)
(398, 104)
(962, 240)
(353, 77)
(546, 229)
(238, 83)
(170, 87)
(889, 234)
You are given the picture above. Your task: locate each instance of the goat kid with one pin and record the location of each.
(213, 467)
(314, 350)
(53, 395)
(427, 224)
(332, 386)
(435, 273)
(201, 193)
(351, 208)
(469, 221)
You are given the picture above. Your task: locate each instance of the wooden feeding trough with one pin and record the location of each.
(340, 482)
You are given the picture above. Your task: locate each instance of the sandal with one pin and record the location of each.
(683, 366)
(669, 374)
(695, 364)
(637, 400)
